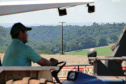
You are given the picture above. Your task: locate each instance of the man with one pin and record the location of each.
(19, 54)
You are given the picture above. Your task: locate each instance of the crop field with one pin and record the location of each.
(76, 57)
(70, 59)
(101, 51)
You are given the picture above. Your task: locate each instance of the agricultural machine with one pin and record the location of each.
(108, 72)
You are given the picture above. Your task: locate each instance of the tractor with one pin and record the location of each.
(108, 72)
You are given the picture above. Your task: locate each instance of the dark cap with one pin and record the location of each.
(18, 27)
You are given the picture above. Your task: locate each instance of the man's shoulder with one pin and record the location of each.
(27, 47)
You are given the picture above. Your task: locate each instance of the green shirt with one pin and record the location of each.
(19, 54)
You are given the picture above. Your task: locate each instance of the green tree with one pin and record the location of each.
(114, 38)
(102, 41)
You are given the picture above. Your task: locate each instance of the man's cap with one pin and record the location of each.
(18, 27)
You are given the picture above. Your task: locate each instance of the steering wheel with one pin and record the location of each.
(54, 73)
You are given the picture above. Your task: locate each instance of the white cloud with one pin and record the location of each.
(116, 0)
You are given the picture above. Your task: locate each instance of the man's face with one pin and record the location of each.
(25, 37)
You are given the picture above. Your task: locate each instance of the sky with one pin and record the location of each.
(106, 11)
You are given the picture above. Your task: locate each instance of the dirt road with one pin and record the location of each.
(70, 59)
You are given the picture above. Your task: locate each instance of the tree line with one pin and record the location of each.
(48, 39)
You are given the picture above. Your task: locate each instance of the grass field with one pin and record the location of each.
(101, 51)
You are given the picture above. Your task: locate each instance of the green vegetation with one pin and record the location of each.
(44, 52)
(101, 51)
(104, 51)
(75, 37)
(78, 52)
(61, 53)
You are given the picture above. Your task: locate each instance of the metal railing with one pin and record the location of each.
(123, 58)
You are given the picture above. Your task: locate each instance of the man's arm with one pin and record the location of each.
(45, 62)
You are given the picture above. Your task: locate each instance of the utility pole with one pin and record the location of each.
(62, 35)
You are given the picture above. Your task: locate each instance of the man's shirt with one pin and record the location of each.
(19, 54)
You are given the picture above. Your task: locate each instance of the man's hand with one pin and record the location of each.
(45, 62)
(54, 62)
